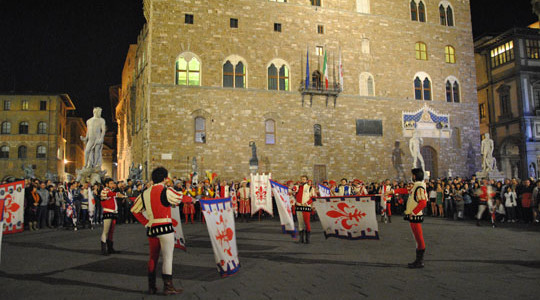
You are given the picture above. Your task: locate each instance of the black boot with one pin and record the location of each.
(152, 289)
(308, 233)
(301, 236)
(389, 219)
(419, 262)
(110, 248)
(168, 287)
(104, 249)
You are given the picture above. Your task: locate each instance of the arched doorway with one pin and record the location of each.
(510, 161)
(430, 161)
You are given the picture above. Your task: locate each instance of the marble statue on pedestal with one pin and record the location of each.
(28, 171)
(415, 143)
(93, 156)
(195, 171)
(487, 153)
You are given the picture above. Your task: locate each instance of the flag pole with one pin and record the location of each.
(302, 83)
(334, 68)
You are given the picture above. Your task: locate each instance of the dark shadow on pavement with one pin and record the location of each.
(524, 263)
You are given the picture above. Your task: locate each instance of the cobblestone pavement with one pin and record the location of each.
(462, 262)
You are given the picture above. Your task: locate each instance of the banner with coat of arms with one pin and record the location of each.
(12, 196)
(261, 193)
(351, 217)
(219, 215)
(324, 191)
(179, 241)
(283, 203)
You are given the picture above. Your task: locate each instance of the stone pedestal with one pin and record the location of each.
(495, 175)
(90, 175)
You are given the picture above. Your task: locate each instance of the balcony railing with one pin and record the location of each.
(319, 89)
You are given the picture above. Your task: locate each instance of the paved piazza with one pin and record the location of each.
(462, 262)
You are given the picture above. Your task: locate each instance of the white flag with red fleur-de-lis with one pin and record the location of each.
(261, 193)
(350, 217)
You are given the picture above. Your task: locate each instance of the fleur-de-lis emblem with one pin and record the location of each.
(345, 215)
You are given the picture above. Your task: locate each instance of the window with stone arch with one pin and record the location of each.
(452, 90)
(6, 127)
(188, 69)
(41, 152)
(446, 14)
(200, 130)
(22, 152)
(420, 49)
(367, 84)
(4, 151)
(23, 127)
(278, 75)
(317, 135)
(449, 54)
(418, 10)
(414, 11)
(422, 86)
(270, 131)
(235, 72)
(42, 128)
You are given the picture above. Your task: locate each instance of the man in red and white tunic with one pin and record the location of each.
(485, 194)
(156, 201)
(413, 213)
(243, 197)
(110, 213)
(386, 192)
(189, 206)
(303, 203)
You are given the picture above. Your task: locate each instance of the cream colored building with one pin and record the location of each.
(33, 133)
(207, 78)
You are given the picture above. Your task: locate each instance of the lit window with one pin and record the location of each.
(188, 73)
(482, 110)
(319, 50)
(42, 128)
(533, 49)
(7, 105)
(502, 54)
(450, 54)
(23, 128)
(317, 135)
(22, 152)
(6, 127)
(421, 51)
(4, 151)
(24, 105)
(270, 132)
(316, 2)
(283, 78)
(41, 152)
(200, 130)
(362, 6)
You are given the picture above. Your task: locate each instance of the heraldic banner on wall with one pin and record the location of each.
(219, 215)
(261, 193)
(283, 203)
(351, 217)
(179, 241)
(12, 195)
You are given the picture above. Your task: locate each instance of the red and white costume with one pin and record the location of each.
(110, 212)
(414, 214)
(386, 200)
(486, 201)
(189, 206)
(243, 197)
(303, 206)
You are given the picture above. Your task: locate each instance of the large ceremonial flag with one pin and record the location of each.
(261, 193)
(324, 191)
(91, 205)
(12, 196)
(219, 217)
(283, 203)
(179, 241)
(351, 217)
(325, 71)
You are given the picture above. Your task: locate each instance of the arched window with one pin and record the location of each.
(449, 54)
(4, 151)
(41, 152)
(449, 16)
(284, 78)
(370, 86)
(452, 90)
(200, 130)
(188, 70)
(6, 128)
(456, 92)
(272, 77)
(317, 135)
(239, 75)
(442, 15)
(448, 91)
(420, 49)
(234, 75)
(417, 88)
(228, 74)
(367, 84)
(23, 128)
(421, 12)
(414, 11)
(427, 89)
(42, 128)
(270, 132)
(22, 152)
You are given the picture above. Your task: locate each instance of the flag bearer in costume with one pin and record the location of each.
(343, 189)
(485, 194)
(157, 201)
(413, 213)
(243, 197)
(303, 208)
(386, 192)
(110, 213)
(189, 206)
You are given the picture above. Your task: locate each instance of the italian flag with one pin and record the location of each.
(325, 71)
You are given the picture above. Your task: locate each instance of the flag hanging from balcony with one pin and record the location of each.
(12, 197)
(349, 217)
(324, 191)
(325, 71)
(340, 70)
(307, 69)
(283, 203)
(261, 193)
(219, 217)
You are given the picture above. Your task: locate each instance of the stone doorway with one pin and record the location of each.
(430, 160)
(319, 173)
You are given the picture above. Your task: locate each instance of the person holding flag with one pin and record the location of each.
(303, 207)
(157, 201)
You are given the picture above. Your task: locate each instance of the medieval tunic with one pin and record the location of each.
(303, 206)
(413, 212)
(189, 206)
(243, 196)
(108, 202)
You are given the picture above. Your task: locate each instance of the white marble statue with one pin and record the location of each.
(414, 146)
(487, 153)
(94, 140)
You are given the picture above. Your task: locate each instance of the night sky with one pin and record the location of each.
(79, 47)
